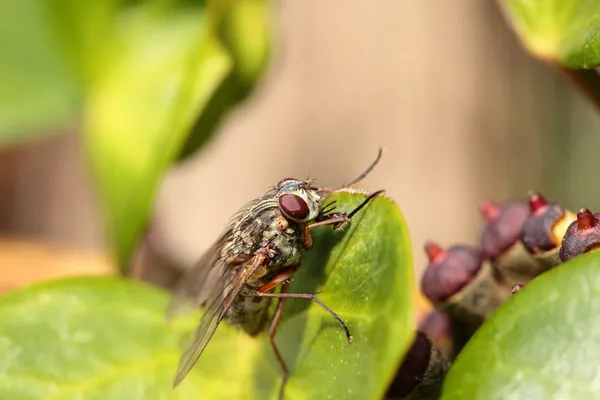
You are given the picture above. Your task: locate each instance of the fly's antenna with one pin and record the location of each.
(309, 178)
(362, 176)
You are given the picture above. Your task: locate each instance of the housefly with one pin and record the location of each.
(258, 251)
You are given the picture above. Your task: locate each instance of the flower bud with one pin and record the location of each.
(544, 230)
(459, 282)
(583, 235)
(421, 374)
(500, 242)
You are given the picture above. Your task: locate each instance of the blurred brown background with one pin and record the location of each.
(462, 112)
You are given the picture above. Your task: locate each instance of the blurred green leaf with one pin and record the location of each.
(228, 94)
(245, 30)
(38, 96)
(564, 31)
(107, 339)
(543, 343)
(165, 67)
(158, 75)
(87, 34)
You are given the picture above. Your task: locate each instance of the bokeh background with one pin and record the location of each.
(462, 112)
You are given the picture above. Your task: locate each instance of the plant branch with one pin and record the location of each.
(588, 81)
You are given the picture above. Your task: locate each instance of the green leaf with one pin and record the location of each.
(543, 343)
(564, 31)
(86, 34)
(38, 95)
(158, 77)
(245, 30)
(151, 75)
(165, 65)
(105, 338)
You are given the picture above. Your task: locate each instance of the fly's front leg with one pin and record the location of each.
(339, 219)
(308, 242)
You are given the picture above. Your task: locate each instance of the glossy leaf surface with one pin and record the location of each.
(99, 338)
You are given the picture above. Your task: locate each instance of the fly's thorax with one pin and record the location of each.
(262, 227)
(284, 249)
(252, 230)
(270, 215)
(268, 224)
(265, 227)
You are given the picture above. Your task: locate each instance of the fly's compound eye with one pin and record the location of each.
(293, 206)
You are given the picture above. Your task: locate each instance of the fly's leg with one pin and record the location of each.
(281, 296)
(280, 279)
(339, 219)
(272, 332)
(312, 297)
(308, 242)
(276, 281)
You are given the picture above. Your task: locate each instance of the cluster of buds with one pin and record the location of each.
(520, 241)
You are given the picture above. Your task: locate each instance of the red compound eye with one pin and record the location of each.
(293, 206)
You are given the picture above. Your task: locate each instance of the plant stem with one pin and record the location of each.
(588, 81)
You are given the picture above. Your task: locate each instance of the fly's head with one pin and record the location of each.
(298, 200)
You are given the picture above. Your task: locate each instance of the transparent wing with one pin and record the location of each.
(194, 287)
(199, 282)
(216, 309)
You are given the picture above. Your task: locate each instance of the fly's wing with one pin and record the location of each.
(194, 286)
(221, 299)
(199, 282)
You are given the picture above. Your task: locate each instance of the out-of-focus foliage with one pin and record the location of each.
(106, 338)
(148, 80)
(246, 32)
(162, 68)
(38, 95)
(564, 31)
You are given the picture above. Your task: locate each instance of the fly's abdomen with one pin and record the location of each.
(249, 312)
